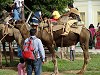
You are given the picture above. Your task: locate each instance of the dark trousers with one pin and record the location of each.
(35, 65)
(72, 55)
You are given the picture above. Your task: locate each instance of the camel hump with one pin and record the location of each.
(58, 27)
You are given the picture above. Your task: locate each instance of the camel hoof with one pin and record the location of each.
(54, 74)
(80, 73)
(0, 67)
(7, 65)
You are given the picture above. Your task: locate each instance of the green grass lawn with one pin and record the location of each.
(7, 72)
(93, 67)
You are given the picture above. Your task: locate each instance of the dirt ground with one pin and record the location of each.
(62, 73)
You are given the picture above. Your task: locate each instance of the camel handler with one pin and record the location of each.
(20, 7)
(74, 18)
(55, 16)
(6, 22)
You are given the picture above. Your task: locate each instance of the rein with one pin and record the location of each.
(3, 37)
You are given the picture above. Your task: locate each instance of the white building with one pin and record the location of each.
(89, 10)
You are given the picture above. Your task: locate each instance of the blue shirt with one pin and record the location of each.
(38, 47)
(16, 15)
(36, 17)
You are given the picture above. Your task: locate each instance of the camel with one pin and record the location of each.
(55, 41)
(15, 35)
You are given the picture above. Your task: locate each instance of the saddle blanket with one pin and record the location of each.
(57, 27)
(7, 30)
(75, 30)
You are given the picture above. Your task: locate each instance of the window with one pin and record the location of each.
(82, 16)
(98, 16)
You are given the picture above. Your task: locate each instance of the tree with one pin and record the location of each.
(47, 5)
(4, 3)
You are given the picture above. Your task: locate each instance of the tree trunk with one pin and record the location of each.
(0, 57)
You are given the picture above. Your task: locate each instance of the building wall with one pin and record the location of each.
(91, 8)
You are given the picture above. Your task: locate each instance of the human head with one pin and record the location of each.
(21, 60)
(53, 9)
(45, 17)
(98, 24)
(33, 32)
(77, 8)
(38, 9)
(15, 6)
(70, 5)
(91, 26)
(99, 28)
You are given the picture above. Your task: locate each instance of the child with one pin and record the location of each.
(72, 53)
(21, 67)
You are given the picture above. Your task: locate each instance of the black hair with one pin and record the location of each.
(45, 15)
(77, 8)
(32, 32)
(98, 24)
(99, 28)
(21, 60)
(70, 5)
(91, 26)
(54, 8)
(15, 6)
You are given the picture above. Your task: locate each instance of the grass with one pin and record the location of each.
(93, 67)
(7, 72)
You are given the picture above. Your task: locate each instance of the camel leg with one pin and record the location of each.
(54, 60)
(5, 53)
(86, 58)
(18, 38)
(11, 52)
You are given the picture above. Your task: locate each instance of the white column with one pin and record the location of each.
(90, 15)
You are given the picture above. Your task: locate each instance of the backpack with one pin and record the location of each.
(28, 49)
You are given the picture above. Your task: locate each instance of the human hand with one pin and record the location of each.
(43, 62)
(61, 16)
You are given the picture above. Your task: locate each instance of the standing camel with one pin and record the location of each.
(16, 35)
(55, 41)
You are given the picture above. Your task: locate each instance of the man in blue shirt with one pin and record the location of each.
(39, 53)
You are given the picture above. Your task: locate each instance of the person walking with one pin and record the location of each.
(97, 46)
(72, 53)
(92, 31)
(39, 53)
(21, 67)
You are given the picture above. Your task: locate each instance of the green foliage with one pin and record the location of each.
(4, 3)
(47, 5)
